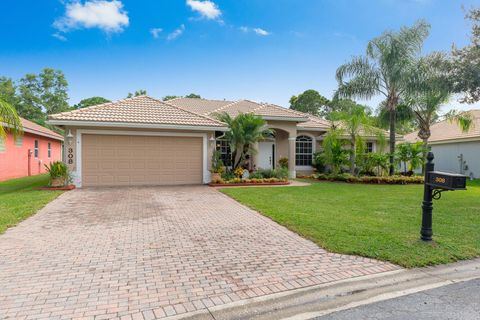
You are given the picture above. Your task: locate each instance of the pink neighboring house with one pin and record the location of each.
(27, 154)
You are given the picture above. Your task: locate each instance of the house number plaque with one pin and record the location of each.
(70, 155)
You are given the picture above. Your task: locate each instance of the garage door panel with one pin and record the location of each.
(109, 160)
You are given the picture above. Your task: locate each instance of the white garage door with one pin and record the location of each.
(122, 160)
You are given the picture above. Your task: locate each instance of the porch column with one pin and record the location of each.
(255, 156)
(291, 156)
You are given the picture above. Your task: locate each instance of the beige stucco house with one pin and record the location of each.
(145, 141)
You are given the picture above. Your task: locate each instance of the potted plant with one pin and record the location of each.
(58, 172)
(217, 167)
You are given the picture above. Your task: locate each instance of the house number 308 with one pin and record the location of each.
(70, 155)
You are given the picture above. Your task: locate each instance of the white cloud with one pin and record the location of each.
(59, 36)
(257, 31)
(207, 9)
(156, 32)
(108, 16)
(176, 33)
(261, 32)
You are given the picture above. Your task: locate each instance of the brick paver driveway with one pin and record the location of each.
(146, 253)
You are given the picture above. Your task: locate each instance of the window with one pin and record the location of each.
(304, 151)
(2, 145)
(49, 150)
(225, 154)
(36, 149)
(369, 147)
(19, 141)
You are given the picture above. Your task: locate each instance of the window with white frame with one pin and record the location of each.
(369, 147)
(2, 145)
(49, 150)
(19, 141)
(304, 151)
(35, 150)
(223, 147)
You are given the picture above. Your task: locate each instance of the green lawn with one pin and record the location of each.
(377, 221)
(19, 199)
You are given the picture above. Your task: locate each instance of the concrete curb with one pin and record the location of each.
(315, 301)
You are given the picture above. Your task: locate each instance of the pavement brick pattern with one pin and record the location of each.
(154, 252)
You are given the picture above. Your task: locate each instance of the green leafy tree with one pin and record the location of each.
(310, 102)
(356, 124)
(9, 120)
(8, 91)
(137, 93)
(465, 68)
(166, 98)
(410, 156)
(93, 101)
(42, 94)
(405, 118)
(244, 131)
(193, 96)
(385, 70)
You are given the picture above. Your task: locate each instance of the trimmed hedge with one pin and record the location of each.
(346, 177)
(252, 180)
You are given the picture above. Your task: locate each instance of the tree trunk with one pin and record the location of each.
(425, 153)
(392, 107)
(353, 152)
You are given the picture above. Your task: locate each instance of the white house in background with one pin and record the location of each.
(454, 150)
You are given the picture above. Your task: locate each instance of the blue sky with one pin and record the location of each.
(264, 50)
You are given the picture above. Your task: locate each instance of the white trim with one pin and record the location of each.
(292, 138)
(314, 149)
(455, 140)
(77, 174)
(133, 125)
(299, 128)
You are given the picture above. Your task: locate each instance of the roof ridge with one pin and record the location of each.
(226, 106)
(188, 111)
(290, 110)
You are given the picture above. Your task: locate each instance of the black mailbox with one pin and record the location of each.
(446, 181)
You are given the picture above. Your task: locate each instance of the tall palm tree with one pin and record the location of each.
(244, 131)
(9, 120)
(385, 70)
(432, 77)
(355, 121)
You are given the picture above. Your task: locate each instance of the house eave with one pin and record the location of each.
(273, 118)
(134, 125)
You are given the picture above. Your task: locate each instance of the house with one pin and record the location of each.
(27, 153)
(145, 141)
(455, 151)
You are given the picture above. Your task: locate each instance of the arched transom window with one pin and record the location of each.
(304, 151)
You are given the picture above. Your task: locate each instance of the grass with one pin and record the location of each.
(19, 199)
(376, 221)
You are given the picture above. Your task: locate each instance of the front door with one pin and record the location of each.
(266, 155)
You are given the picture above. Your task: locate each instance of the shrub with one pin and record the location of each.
(256, 175)
(345, 177)
(238, 172)
(266, 173)
(57, 169)
(318, 163)
(226, 176)
(280, 173)
(283, 162)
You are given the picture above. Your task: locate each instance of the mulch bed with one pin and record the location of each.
(65, 188)
(248, 184)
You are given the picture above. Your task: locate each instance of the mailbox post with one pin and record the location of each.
(435, 183)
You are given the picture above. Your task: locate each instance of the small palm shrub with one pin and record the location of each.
(283, 162)
(58, 172)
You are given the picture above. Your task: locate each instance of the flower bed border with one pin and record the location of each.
(246, 184)
(372, 182)
(65, 188)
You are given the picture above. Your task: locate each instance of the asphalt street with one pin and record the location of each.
(455, 301)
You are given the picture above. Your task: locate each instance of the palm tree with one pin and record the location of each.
(244, 131)
(334, 154)
(385, 70)
(431, 76)
(355, 121)
(9, 120)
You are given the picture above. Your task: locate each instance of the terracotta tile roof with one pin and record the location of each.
(450, 131)
(316, 123)
(31, 127)
(233, 108)
(200, 106)
(139, 110)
